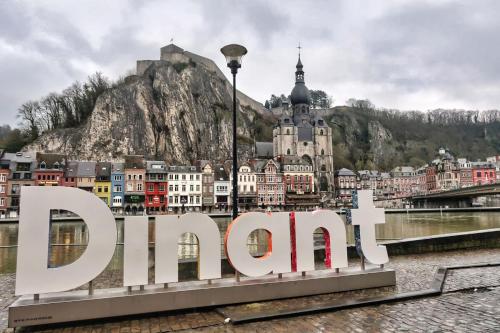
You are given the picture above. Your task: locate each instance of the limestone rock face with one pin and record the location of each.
(381, 142)
(174, 111)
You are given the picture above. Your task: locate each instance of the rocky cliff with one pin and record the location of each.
(177, 110)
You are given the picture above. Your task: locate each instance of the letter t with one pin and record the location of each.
(366, 216)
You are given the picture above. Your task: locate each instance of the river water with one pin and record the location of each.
(68, 239)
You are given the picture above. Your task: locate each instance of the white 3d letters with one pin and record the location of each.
(168, 231)
(278, 261)
(366, 216)
(135, 251)
(33, 276)
(305, 225)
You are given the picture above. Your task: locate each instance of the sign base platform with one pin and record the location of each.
(105, 303)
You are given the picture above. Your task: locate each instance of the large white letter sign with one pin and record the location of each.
(366, 216)
(305, 224)
(33, 276)
(278, 261)
(169, 229)
(135, 252)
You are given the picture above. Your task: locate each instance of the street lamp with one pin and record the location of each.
(233, 54)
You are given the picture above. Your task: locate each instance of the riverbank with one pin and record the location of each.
(339, 211)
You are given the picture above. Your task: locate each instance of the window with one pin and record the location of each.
(183, 188)
(129, 177)
(151, 187)
(288, 151)
(117, 188)
(176, 187)
(170, 199)
(197, 199)
(3, 178)
(183, 177)
(129, 187)
(15, 189)
(191, 177)
(287, 131)
(191, 187)
(43, 165)
(161, 187)
(139, 187)
(170, 188)
(2, 201)
(322, 152)
(197, 187)
(321, 132)
(140, 177)
(2, 188)
(99, 189)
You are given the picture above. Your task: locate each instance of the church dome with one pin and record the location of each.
(300, 94)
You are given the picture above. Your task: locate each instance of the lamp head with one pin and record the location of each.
(233, 53)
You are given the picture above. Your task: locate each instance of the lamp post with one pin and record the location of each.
(233, 54)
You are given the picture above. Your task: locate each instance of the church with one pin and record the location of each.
(302, 134)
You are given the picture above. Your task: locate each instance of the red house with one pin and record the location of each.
(49, 169)
(156, 187)
(483, 174)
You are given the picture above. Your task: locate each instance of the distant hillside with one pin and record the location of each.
(366, 138)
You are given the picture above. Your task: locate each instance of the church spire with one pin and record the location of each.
(299, 73)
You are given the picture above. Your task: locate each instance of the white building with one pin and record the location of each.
(247, 187)
(184, 188)
(222, 188)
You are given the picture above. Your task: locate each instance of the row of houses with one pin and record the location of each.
(137, 186)
(442, 174)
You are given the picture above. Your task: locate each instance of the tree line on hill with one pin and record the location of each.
(69, 108)
(319, 100)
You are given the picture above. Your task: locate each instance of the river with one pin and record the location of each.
(68, 239)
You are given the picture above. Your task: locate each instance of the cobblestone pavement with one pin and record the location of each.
(470, 303)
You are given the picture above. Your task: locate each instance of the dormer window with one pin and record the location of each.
(320, 122)
(56, 165)
(320, 132)
(43, 165)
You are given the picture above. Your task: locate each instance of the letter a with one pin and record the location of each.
(33, 276)
(277, 261)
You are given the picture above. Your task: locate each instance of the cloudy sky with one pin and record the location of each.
(399, 54)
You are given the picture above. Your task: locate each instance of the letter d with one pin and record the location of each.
(33, 276)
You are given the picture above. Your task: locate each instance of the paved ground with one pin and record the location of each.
(471, 303)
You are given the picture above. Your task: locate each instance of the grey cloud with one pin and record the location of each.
(448, 49)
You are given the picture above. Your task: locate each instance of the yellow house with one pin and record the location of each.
(102, 186)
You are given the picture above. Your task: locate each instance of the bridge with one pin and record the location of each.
(462, 197)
